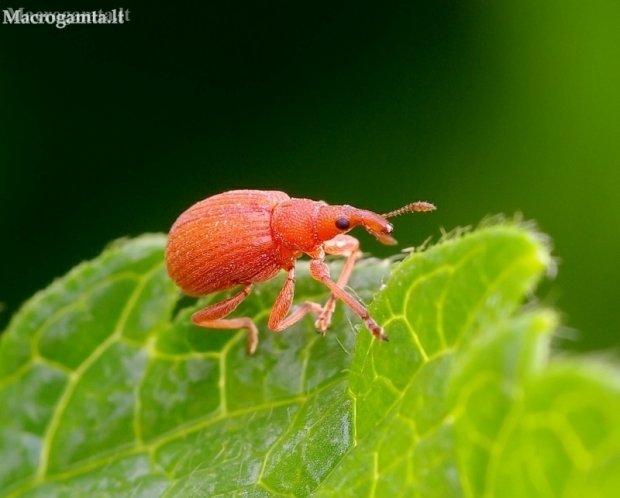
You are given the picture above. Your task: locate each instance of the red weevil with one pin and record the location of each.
(242, 237)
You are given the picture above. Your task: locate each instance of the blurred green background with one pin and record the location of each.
(479, 107)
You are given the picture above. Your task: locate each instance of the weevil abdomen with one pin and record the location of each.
(224, 241)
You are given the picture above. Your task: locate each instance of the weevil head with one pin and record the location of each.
(335, 220)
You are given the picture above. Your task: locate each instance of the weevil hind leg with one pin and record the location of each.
(341, 245)
(212, 317)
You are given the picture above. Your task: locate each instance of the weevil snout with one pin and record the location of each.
(384, 238)
(334, 220)
(377, 226)
(383, 235)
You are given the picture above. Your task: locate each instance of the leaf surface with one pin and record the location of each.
(108, 389)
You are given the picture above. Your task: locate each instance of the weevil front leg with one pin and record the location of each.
(212, 317)
(340, 245)
(278, 320)
(320, 271)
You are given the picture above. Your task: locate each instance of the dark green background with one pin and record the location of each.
(480, 107)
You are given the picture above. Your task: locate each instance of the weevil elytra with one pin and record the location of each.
(243, 237)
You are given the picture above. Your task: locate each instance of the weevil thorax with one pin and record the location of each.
(334, 220)
(293, 224)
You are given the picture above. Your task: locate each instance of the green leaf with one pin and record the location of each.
(107, 389)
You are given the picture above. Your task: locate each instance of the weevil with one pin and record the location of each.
(243, 237)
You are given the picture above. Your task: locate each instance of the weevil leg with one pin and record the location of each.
(340, 245)
(320, 271)
(278, 320)
(212, 317)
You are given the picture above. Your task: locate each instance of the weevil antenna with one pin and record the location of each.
(419, 207)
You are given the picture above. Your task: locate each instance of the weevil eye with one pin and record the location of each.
(342, 223)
